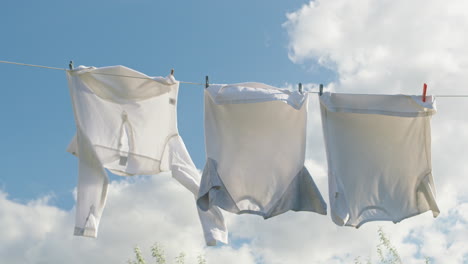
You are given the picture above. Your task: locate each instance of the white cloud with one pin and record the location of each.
(385, 46)
(146, 210)
(227, 254)
(140, 211)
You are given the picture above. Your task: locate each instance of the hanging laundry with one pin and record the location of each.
(379, 157)
(255, 143)
(128, 126)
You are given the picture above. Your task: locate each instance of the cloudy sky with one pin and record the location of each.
(361, 46)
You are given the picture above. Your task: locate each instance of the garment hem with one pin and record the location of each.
(85, 232)
(395, 221)
(215, 236)
(220, 187)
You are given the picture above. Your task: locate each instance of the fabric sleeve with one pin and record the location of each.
(184, 171)
(91, 189)
(339, 209)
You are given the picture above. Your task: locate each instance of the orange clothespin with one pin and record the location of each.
(424, 93)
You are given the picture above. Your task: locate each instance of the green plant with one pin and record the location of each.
(138, 256)
(201, 259)
(157, 252)
(386, 251)
(181, 258)
(357, 260)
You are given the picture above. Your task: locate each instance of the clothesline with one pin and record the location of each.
(194, 83)
(63, 69)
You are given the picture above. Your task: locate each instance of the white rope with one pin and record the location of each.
(128, 76)
(453, 95)
(435, 95)
(63, 69)
(32, 65)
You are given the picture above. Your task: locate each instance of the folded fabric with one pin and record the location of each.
(127, 123)
(255, 143)
(379, 156)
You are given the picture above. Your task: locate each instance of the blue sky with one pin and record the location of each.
(357, 46)
(229, 41)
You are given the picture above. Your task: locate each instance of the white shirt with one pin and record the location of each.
(255, 143)
(128, 126)
(379, 156)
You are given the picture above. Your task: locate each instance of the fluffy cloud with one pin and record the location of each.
(139, 212)
(145, 210)
(385, 45)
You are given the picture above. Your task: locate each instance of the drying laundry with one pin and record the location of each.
(255, 143)
(127, 123)
(379, 157)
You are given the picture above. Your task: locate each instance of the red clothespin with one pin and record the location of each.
(424, 93)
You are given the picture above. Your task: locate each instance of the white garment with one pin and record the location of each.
(128, 126)
(379, 156)
(255, 143)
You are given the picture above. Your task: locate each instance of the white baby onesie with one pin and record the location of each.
(255, 143)
(379, 156)
(128, 126)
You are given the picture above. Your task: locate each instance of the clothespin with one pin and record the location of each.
(172, 71)
(70, 65)
(321, 90)
(207, 83)
(300, 87)
(424, 93)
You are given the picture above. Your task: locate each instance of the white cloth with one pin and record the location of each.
(128, 126)
(255, 143)
(379, 156)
